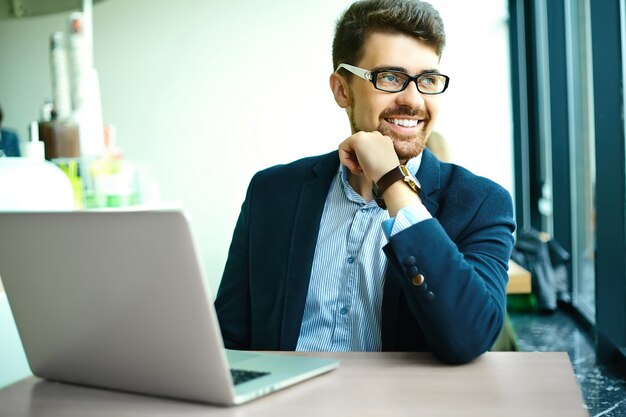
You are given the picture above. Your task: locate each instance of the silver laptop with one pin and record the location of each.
(117, 299)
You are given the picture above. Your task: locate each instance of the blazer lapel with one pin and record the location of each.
(308, 215)
(429, 177)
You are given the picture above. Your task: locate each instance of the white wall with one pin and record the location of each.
(209, 92)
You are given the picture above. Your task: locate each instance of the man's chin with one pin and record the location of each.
(405, 153)
(407, 147)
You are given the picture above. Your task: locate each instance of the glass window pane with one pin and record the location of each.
(582, 154)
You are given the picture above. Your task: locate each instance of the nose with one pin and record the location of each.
(411, 96)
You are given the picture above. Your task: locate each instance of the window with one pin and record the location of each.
(577, 50)
(582, 155)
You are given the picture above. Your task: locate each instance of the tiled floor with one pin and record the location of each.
(603, 389)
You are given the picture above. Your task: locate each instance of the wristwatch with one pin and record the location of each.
(401, 172)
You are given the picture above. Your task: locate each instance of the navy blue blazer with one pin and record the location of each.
(463, 253)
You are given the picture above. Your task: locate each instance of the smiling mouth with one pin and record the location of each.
(403, 122)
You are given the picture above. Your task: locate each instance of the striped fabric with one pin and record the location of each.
(342, 310)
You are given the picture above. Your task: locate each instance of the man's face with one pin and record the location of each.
(406, 117)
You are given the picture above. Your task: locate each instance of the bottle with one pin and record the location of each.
(34, 148)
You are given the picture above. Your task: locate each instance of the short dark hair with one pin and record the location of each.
(412, 17)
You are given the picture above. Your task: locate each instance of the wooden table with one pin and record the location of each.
(498, 384)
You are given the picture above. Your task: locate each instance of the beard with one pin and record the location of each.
(406, 146)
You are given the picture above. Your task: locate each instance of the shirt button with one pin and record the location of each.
(350, 259)
(343, 311)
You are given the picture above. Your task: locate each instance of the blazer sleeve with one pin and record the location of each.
(461, 305)
(232, 303)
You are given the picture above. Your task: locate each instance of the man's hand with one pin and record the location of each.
(368, 154)
(371, 155)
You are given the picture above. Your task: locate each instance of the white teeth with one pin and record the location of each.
(405, 122)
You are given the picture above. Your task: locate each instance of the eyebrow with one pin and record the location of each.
(402, 69)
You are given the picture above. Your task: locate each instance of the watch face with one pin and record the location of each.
(411, 182)
(409, 178)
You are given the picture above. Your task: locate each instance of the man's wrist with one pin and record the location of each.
(399, 173)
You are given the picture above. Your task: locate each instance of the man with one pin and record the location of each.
(9, 142)
(317, 263)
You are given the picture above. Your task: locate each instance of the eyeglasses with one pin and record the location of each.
(392, 81)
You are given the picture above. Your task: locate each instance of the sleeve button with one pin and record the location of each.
(418, 280)
(428, 296)
(409, 262)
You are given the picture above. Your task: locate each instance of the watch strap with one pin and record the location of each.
(400, 172)
(387, 180)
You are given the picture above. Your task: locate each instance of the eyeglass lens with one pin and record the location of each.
(393, 81)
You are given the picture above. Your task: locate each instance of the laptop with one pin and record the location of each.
(118, 300)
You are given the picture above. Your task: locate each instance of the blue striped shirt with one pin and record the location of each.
(343, 306)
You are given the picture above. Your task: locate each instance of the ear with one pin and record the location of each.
(339, 87)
